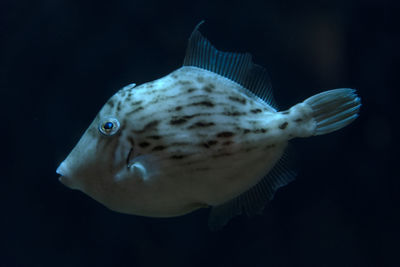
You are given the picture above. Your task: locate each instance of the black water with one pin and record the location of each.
(61, 60)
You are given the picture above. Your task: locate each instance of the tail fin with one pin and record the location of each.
(334, 109)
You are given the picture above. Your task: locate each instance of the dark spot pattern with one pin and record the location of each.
(234, 113)
(201, 124)
(177, 121)
(134, 111)
(283, 125)
(255, 111)
(148, 126)
(210, 143)
(144, 144)
(225, 134)
(200, 79)
(262, 130)
(238, 99)
(181, 120)
(209, 88)
(155, 137)
(298, 120)
(178, 108)
(184, 82)
(177, 157)
(203, 103)
(111, 103)
(190, 90)
(159, 148)
(119, 106)
(136, 103)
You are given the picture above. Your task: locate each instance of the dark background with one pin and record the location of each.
(61, 60)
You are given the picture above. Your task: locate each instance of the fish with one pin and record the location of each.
(207, 135)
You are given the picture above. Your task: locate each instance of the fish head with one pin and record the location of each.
(99, 158)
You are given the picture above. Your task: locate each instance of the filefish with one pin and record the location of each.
(209, 134)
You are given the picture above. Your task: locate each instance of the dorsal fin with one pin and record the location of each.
(253, 201)
(237, 67)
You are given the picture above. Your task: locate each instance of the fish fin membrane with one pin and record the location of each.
(237, 67)
(334, 109)
(254, 200)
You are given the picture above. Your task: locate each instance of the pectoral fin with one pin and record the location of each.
(138, 167)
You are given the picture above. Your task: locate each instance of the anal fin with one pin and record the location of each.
(254, 200)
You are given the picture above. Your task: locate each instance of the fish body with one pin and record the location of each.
(198, 137)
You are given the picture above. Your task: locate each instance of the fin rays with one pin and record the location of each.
(253, 201)
(237, 67)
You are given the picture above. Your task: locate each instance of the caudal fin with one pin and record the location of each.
(334, 109)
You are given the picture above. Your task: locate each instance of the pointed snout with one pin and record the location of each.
(65, 175)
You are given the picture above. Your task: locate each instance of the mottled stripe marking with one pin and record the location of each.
(182, 119)
(255, 111)
(200, 79)
(148, 127)
(210, 143)
(134, 111)
(261, 130)
(283, 125)
(155, 137)
(238, 99)
(144, 144)
(136, 103)
(209, 88)
(177, 156)
(184, 82)
(225, 134)
(201, 124)
(234, 113)
(203, 103)
(159, 148)
(111, 103)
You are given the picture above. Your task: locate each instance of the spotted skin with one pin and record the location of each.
(194, 133)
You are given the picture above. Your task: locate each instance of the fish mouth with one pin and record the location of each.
(62, 170)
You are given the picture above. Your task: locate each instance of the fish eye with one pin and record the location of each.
(109, 126)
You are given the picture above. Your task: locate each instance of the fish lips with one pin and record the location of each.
(65, 175)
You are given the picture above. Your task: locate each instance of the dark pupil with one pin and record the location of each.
(108, 125)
